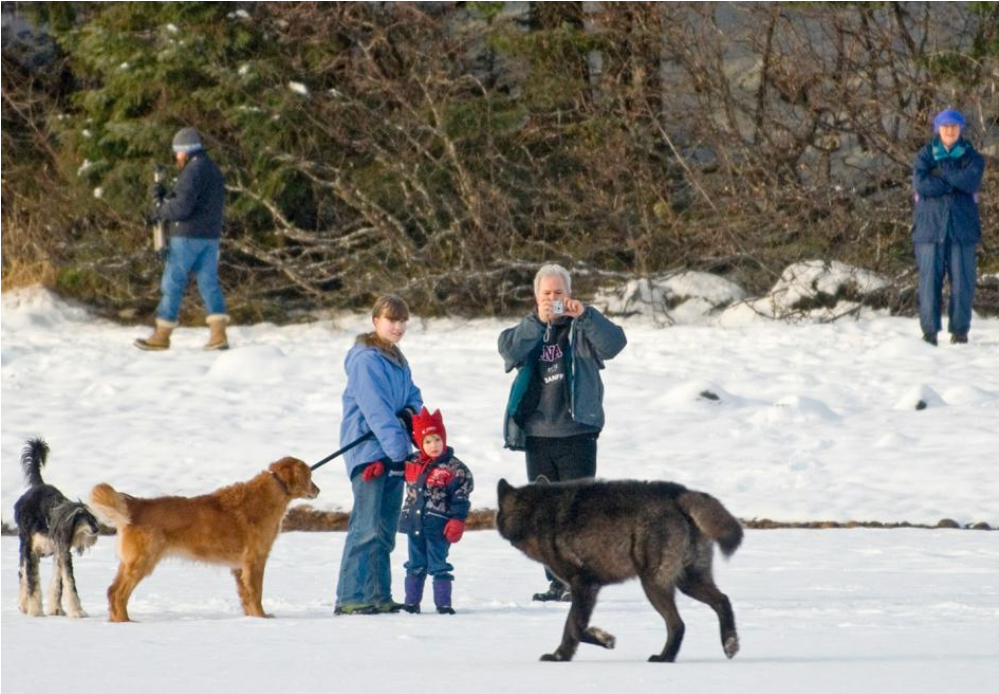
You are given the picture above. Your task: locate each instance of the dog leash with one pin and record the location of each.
(343, 450)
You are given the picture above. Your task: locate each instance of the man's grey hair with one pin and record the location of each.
(553, 270)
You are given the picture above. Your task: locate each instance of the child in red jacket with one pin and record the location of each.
(437, 489)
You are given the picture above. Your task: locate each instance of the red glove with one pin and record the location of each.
(373, 470)
(453, 530)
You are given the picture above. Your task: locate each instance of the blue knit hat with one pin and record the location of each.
(948, 117)
(187, 140)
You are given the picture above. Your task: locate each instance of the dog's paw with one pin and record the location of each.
(555, 657)
(56, 612)
(78, 614)
(601, 638)
(731, 646)
(659, 658)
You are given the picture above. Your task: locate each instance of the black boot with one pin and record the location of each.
(557, 592)
(442, 595)
(930, 338)
(959, 338)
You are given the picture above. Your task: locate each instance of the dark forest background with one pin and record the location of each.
(444, 150)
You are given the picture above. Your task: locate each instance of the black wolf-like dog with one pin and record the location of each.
(591, 534)
(49, 524)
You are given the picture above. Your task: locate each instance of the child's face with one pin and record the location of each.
(433, 445)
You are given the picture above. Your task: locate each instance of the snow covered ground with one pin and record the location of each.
(812, 422)
(818, 611)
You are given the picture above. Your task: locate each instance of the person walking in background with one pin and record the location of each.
(438, 486)
(192, 212)
(555, 410)
(947, 175)
(379, 399)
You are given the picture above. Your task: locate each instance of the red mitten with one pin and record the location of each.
(414, 470)
(453, 530)
(439, 477)
(375, 469)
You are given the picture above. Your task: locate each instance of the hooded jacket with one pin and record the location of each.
(379, 384)
(592, 340)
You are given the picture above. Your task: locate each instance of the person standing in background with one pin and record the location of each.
(947, 175)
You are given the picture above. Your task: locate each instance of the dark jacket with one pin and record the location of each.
(946, 196)
(193, 209)
(592, 340)
(436, 492)
(379, 384)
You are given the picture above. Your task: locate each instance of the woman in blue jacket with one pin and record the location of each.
(947, 230)
(379, 390)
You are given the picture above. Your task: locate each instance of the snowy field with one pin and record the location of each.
(818, 611)
(813, 422)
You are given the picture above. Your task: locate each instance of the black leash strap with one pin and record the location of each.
(343, 450)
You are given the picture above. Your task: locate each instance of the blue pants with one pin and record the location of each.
(958, 262)
(200, 256)
(365, 577)
(428, 555)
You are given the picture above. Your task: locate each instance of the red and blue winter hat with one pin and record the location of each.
(425, 424)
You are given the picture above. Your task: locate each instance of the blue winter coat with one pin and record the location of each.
(946, 196)
(193, 209)
(592, 339)
(435, 496)
(379, 385)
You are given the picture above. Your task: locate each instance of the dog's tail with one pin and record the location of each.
(110, 506)
(33, 458)
(713, 519)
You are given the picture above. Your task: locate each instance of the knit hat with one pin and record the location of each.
(187, 140)
(948, 117)
(425, 424)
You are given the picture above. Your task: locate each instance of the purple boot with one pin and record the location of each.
(442, 595)
(414, 593)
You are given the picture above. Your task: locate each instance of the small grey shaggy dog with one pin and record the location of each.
(49, 524)
(591, 534)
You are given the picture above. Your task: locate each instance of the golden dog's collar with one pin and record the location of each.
(284, 485)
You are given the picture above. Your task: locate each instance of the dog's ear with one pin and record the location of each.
(297, 475)
(503, 489)
(542, 480)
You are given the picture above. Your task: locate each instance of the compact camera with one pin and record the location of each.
(558, 307)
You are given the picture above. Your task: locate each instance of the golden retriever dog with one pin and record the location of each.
(234, 526)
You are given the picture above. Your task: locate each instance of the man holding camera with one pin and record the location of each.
(192, 213)
(555, 411)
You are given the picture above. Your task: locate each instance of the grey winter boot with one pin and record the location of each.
(217, 339)
(442, 595)
(414, 593)
(160, 339)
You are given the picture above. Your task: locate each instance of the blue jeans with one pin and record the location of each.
(200, 256)
(958, 262)
(428, 555)
(365, 577)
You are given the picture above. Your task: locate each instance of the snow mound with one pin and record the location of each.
(813, 288)
(968, 395)
(814, 278)
(695, 394)
(686, 297)
(38, 307)
(894, 440)
(249, 364)
(795, 409)
(919, 398)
